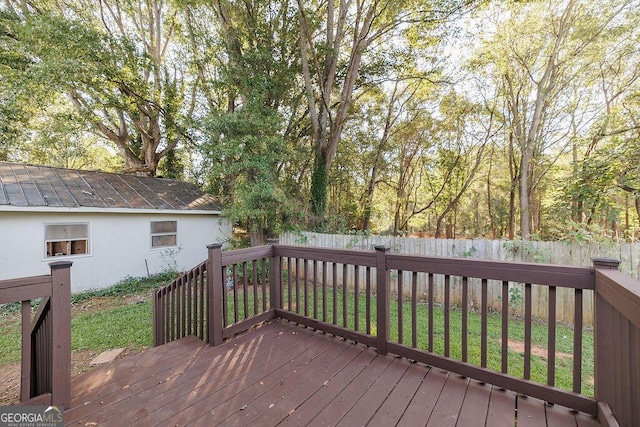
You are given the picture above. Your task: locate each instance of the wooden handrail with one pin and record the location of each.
(617, 341)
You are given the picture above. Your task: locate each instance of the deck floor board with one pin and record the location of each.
(285, 374)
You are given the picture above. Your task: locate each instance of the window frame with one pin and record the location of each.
(163, 234)
(51, 254)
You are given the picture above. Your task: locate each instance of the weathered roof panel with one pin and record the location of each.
(33, 185)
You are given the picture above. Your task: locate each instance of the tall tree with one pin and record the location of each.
(119, 64)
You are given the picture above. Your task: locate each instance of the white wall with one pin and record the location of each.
(119, 245)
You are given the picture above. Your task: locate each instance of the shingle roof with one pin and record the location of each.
(24, 185)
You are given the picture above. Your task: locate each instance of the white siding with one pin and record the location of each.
(119, 245)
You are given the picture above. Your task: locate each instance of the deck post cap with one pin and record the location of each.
(214, 246)
(60, 264)
(606, 262)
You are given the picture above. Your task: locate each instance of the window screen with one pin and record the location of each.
(164, 234)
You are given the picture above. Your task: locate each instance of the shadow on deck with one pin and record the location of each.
(285, 374)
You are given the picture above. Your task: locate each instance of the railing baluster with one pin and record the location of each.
(235, 293)
(189, 303)
(577, 342)
(505, 326)
(289, 298)
(264, 284)
(297, 272)
(344, 295)
(527, 330)
(306, 287)
(356, 298)
(166, 296)
(225, 297)
(368, 300)
(430, 328)
(324, 291)
(25, 373)
(447, 314)
(551, 344)
(254, 271)
(483, 323)
(335, 292)
(203, 270)
(315, 289)
(245, 290)
(183, 304)
(414, 310)
(173, 311)
(400, 284)
(465, 308)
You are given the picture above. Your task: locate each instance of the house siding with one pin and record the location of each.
(119, 244)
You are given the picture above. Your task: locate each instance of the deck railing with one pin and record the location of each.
(617, 339)
(46, 336)
(383, 309)
(180, 308)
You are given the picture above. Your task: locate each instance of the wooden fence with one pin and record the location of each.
(560, 253)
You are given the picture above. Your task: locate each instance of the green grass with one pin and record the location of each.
(515, 359)
(128, 326)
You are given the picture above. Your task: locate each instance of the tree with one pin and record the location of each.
(246, 148)
(119, 65)
(334, 39)
(536, 57)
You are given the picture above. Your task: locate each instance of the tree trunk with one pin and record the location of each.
(319, 184)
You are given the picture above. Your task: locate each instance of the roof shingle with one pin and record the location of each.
(25, 185)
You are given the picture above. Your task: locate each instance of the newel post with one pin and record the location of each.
(275, 295)
(61, 331)
(383, 279)
(603, 334)
(214, 294)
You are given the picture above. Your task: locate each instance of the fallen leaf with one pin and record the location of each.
(272, 405)
(243, 408)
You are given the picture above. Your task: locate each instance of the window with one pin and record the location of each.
(66, 239)
(164, 234)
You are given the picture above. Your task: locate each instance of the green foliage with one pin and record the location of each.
(319, 184)
(128, 286)
(527, 251)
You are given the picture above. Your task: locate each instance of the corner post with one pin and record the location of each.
(275, 294)
(383, 278)
(61, 333)
(603, 336)
(214, 294)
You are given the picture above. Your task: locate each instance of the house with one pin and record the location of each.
(109, 225)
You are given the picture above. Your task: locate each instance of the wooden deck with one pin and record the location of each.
(284, 374)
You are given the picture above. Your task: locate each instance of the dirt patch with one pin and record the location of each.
(518, 347)
(10, 380)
